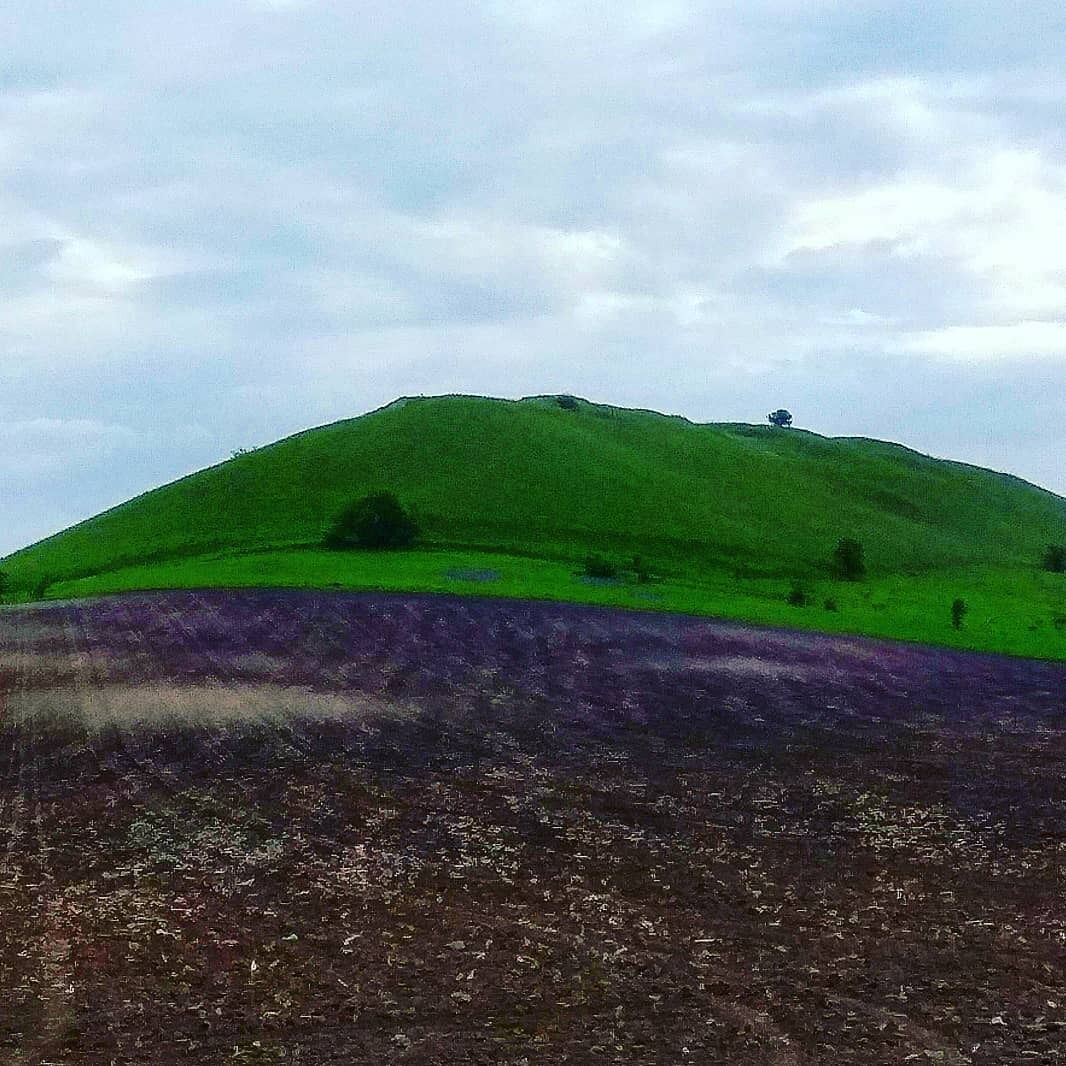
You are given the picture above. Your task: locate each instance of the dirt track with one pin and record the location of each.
(294, 827)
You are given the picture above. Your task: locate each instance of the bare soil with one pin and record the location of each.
(324, 828)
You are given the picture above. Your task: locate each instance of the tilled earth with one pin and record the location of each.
(305, 828)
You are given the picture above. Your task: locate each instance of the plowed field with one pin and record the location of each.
(305, 828)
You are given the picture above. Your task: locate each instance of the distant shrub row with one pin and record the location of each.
(798, 596)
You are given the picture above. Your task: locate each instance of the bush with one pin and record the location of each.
(830, 604)
(377, 521)
(1055, 558)
(847, 559)
(958, 609)
(640, 570)
(598, 566)
(797, 595)
(567, 403)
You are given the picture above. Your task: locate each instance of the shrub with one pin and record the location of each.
(830, 604)
(780, 418)
(847, 559)
(567, 403)
(958, 609)
(598, 566)
(1055, 558)
(640, 570)
(377, 521)
(797, 595)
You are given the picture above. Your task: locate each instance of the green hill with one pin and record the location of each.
(530, 478)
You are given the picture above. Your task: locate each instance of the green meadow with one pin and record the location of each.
(1008, 612)
(727, 517)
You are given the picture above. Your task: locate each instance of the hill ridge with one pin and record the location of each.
(526, 476)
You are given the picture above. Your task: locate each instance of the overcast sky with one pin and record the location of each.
(228, 220)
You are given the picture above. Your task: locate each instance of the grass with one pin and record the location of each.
(1009, 611)
(528, 477)
(727, 515)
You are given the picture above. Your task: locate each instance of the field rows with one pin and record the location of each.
(303, 827)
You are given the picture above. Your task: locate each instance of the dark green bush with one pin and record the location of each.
(598, 566)
(797, 595)
(958, 609)
(567, 403)
(640, 570)
(830, 604)
(1055, 558)
(848, 561)
(377, 521)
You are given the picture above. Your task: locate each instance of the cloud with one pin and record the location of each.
(1001, 217)
(258, 215)
(991, 342)
(38, 446)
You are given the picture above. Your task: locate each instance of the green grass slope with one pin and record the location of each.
(528, 477)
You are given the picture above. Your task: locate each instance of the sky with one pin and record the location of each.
(229, 220)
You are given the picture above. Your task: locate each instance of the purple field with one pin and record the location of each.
(313, 828)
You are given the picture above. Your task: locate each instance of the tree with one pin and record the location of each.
(1055, 558)
(598, 567)
(378, 520)
(780, 418)
(640, 570)
(958, 609)
(847, 559)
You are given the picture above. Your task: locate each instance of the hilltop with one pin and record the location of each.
(531, 478)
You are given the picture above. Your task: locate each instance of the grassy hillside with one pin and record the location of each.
(529, 477)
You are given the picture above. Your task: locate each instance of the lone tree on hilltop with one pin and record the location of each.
(1055, 558)
(378, 520)
(847, 559)
(780, 418)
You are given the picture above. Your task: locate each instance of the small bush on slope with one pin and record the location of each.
(376, 521)
(848, 559)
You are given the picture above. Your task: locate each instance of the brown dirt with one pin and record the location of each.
(298, 828)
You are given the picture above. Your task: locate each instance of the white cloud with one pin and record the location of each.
(991, 342)
(1001, 218)
(92, 265)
